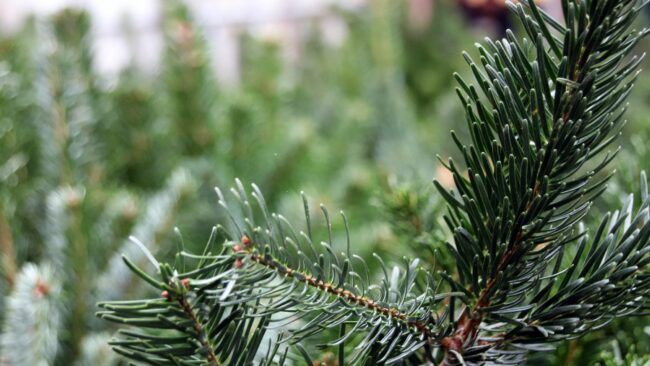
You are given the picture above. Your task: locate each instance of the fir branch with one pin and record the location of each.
(396, 311)
(198, 328)
(528, 184)
(68, 145)
(33, 317)
(288, 275)
(79, 282)
(338, 291)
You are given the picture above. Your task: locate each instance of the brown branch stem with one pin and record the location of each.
(331, 289)
(342, 293)
(198, 328)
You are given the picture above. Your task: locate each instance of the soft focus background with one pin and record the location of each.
(118, 118)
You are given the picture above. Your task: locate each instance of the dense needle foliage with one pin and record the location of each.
(542, 115)
(510, 257)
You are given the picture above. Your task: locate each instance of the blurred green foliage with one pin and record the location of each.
(83, 165)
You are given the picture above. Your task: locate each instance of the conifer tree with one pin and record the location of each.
(84, 164)
(543, 112)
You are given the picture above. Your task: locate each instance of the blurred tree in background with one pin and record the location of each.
(83, 166)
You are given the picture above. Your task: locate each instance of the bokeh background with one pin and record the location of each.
(118, 118)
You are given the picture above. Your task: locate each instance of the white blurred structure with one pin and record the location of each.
(220, 20)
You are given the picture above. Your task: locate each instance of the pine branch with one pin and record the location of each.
(69, 149)
(67, 253)
(197, 328)
(32, 319)
(317, 289)
(397, 312)
(190, 81)
(337, 291)
(549, 108)
(78, 282)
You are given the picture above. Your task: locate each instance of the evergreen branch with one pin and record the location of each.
(527, 183)
(68, 255)
(78, 259)
(325, 288)
(277, 285)
(32, 319)
(197, 328)
(611, 281)
(67, 143)
(342, 293)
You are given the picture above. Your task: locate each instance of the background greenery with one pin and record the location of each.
(84, 165)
